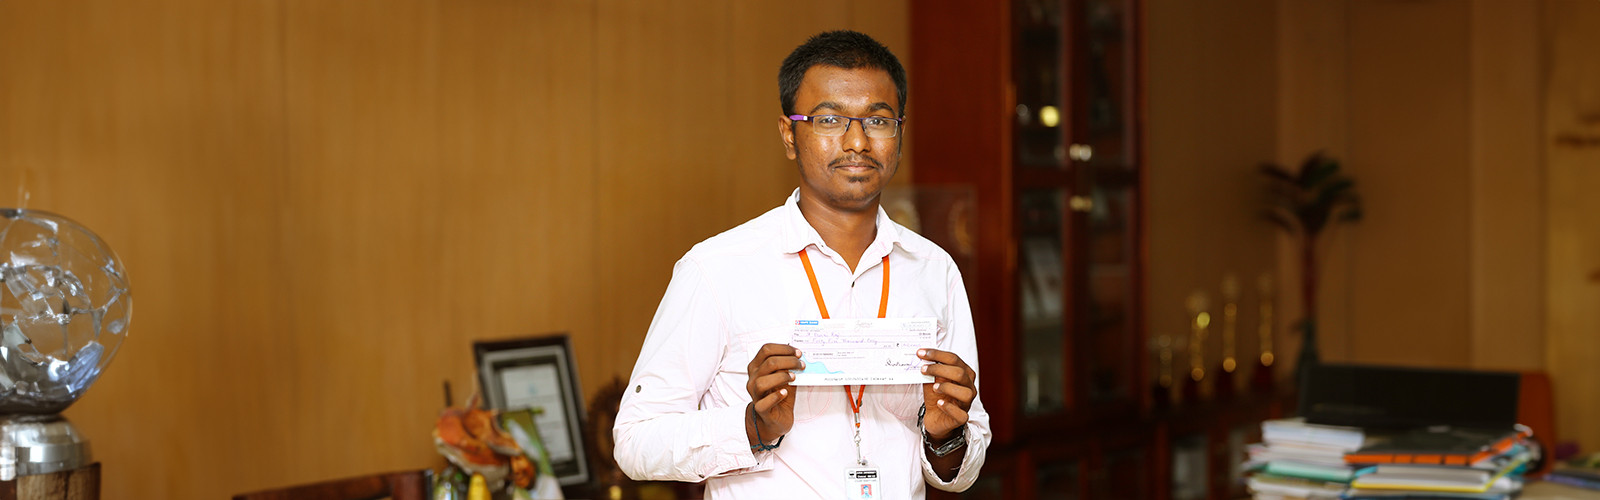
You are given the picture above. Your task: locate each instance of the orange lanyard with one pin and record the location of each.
(855, 404)
(883, 312)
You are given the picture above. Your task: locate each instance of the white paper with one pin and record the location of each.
(869, 351)
(539, 386)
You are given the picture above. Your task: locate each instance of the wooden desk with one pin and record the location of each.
(1541, 490)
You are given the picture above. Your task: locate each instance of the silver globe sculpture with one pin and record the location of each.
(64, 312)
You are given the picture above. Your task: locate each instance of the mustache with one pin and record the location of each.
(856, 160)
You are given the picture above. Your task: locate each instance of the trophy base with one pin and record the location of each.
(1222, 384)
(76, 484)
(1193, 390)
(1263, 381)
(1161, 396)
(40, 444)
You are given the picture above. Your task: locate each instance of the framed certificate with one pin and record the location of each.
(537, 373)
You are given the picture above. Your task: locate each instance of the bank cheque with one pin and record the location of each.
(864, 351)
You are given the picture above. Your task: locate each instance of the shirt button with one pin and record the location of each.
(637, 388)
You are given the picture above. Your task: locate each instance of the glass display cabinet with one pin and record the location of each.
(1037, 108)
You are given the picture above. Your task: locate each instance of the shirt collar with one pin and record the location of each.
(798, 233)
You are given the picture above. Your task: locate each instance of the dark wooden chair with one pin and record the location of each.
(407, 485)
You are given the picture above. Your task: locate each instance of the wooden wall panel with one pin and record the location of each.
(1313, 100)
(1572, 270)
(1507, 183)
(667, 147)
(322, 204)
(1409, 150)
(445, 160)
(1481, 109)
(361, 237)
(1478, 138)
(1211, 120)
(144, 123)
(520, 230)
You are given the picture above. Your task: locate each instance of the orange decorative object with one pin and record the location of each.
(450, 431)
(472, 439)
(482, 425)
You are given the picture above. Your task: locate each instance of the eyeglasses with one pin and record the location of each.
(877, 127)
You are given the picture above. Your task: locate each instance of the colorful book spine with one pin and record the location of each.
(1559, 478)
(1462, 459)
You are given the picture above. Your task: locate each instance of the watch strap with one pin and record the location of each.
(956, 441)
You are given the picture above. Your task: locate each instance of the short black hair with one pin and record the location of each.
(844, 49)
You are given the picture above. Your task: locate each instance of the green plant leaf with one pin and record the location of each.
(1318, 173)
(1308, 201)
(1277, 174)
(1351, 214)
(1283, 219)
(1333, 191)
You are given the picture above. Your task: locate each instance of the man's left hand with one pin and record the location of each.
(949, 396)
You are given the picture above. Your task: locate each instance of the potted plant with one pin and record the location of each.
(1305, 204)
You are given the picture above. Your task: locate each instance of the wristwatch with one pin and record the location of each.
(956, 441)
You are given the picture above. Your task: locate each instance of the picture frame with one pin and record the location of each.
(538, 372)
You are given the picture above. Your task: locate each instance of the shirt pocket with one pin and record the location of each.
(901, 400)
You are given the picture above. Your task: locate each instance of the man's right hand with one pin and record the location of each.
(771, 396)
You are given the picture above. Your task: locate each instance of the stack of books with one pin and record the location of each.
(1301, 460)
(1582, 472)
(1444, 463)
(1307, 461)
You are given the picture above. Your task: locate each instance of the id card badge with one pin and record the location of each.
(861, 483)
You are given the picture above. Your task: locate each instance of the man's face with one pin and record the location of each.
(845, 172)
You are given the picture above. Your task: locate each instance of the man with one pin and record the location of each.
(710, 397)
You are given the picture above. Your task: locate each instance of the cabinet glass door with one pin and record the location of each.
(1077, 191)
(1041, 289)
(1107, 328)
(1104, 118)
(1039, 72)
(1105, 199)
(1058, 480)
(1124, 474)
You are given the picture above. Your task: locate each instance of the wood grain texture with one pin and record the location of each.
(1409, 131)
(1313, 110)
(162, 129)
(1507, 309)
(82, 483)
(323, 204)
(406, 485)
(1212, 120)
(963, 68)
(1572, 270)
(1483, 73)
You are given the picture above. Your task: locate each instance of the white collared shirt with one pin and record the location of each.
(682, 416)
